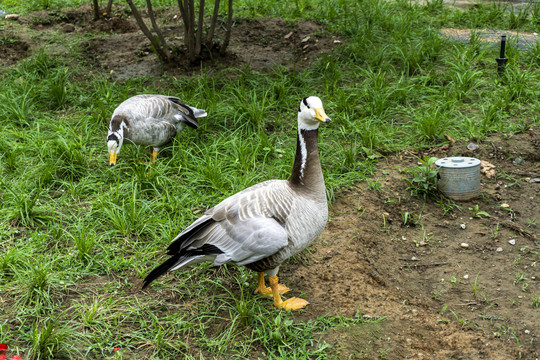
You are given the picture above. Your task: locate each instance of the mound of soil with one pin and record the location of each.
(13, 49)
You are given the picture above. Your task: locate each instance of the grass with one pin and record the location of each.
(75, 235)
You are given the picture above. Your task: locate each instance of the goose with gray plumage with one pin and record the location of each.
(265, 224)
(150, 120)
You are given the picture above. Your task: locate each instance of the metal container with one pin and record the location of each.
(459, 177)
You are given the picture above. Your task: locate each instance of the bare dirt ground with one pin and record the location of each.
(449, 284)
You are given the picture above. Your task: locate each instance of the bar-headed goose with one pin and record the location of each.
(265, 224)
(150, 120)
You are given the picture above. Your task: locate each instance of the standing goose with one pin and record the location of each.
(150, 120)
(265, 224)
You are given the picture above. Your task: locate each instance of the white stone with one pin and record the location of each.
(512, 241)
(499, 249)
(463, 226)
(464, 245)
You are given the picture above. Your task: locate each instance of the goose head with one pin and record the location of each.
(115, 137)
(311, 113)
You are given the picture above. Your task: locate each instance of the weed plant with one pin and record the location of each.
(76, 236)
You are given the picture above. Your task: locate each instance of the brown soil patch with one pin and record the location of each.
(13, 48)
(119, 47)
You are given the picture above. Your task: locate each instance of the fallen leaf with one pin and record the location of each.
(449, 138)
(487, 169)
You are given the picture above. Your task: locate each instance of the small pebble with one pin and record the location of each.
(465, 276)
(306, 39)
(464, 245)
(68, 28)
(472, 146)
(463, 226)
(527, 332)
(12, 17)
(512, 241)
(499, 249)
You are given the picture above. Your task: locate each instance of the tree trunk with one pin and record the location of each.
(109, 8)
(96, 9)
(199, 29)
(229, 26)
(210, 34)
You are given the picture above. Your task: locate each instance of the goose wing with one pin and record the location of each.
(150, 108)
(244, 228)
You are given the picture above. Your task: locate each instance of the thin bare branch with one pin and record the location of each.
(183, 12)
(146, 31)
(157, 29)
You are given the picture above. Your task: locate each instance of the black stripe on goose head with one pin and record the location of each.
(113, 137)
(304, 100)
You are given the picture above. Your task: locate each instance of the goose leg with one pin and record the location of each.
(293, 303)
(154, 154)
(266, 291)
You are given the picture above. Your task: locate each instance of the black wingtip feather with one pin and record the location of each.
(176, 246)
(192, 123)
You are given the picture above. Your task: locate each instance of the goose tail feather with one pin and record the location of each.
(183, 258)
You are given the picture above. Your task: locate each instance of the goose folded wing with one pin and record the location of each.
(244, 241)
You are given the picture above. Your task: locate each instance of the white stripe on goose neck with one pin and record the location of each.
(303, 152)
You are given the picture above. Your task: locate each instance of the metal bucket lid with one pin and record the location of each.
(457, 162)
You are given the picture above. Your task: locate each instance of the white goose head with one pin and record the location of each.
(311, 113)
(115, 137)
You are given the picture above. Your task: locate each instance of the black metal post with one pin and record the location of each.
(501, 60)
